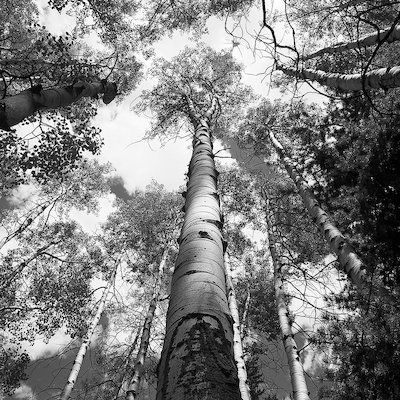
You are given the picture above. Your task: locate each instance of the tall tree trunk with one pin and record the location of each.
(387, 35)
(197, 360)
(244, 316)
(237, 339)
(348, 259)
(134, 385)
(69, 386)
(299, 386)
(382, 78)
(16, 108)
(125, 365)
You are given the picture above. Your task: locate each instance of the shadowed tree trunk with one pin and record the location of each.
(299, 386)
(382, 78)
(16, 108)
(69, 386)
(134, 384)
(197, 360)
(237, 337)
(387, 35)
(348, 259)
(243, 323)
(125, 366)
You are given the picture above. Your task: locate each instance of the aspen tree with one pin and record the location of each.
(348, 259)
(382, 78)
(134, 384)
(69, 386)
(387, 35)
(237, 334)
(125, 366)
(197, 360)
(299, 386)
(243, 322)
(14, 109)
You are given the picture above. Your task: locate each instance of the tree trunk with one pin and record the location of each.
(126, 363)
(299, 386)
(244, 316)
(348, 259)
(16, 108)
(134, 384)
(387, 35)
(383, 78)
(237, 340)
(197, 360)
(69, 386)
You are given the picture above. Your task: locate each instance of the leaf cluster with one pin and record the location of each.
(363, 356)
(143, 226)
(186, 86)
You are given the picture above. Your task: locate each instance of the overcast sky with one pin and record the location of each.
(138, 162)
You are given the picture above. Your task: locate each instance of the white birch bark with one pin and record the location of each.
(348, 259)
(365, 41)
(16, 108)
(382, 78)
(197, 360)
(69, 386)
(299, 385)
(237, 339)
(134, 384)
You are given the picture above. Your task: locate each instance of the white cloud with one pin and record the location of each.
(55, 346)
(90, 222)
(136, 161)
(24, 392)
(22, 194)
(56, 23)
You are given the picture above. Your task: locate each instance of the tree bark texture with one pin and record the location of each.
(69, 386)
(387, 35)
(382, 78)
(348, 259)
(237, 339)
(134, 384)
(299, 385)
(16, 108)
(197, 360)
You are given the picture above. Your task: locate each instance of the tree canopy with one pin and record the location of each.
(307, 214)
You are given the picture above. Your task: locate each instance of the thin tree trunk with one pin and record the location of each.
(348, 259)
(299, 386)
(69, 386)
(125, 366)
(244, 316)
(237, 340)
(387, 35)
(134, 384)
(197, 360)
(16, 108)
(382, 78)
